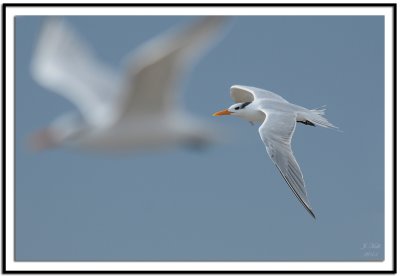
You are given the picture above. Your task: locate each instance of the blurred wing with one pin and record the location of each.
(241, 94)
(63, 63)
(156, 68)
(276, 132)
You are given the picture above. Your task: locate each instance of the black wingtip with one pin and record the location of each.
(297, 195)
(309, 210)
(312, 214)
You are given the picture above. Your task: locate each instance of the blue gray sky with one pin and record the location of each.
(226, 202)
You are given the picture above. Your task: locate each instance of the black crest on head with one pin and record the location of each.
(241, 106)
(244, 105)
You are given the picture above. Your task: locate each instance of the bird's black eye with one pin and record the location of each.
(237, 108)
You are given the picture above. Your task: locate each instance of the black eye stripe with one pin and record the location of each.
(245, 104)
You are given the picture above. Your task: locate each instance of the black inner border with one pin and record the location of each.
(394, 10)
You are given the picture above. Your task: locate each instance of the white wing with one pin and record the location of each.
(155, 69)
(276, 132)
(241, 94)
(63, 63)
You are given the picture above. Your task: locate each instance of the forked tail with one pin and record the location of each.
(315, 116)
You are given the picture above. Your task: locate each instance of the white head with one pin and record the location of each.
(244, 110)
(235, 109)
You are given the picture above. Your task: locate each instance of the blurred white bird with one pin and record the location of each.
(278, 118)
(139, 109)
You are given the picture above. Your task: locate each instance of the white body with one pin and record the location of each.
(146, 133)
(278, 118)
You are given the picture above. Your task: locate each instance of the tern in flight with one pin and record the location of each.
(136, 109)
(278, 118)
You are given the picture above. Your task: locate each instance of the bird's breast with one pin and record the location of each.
(134, 134)
(254, 116)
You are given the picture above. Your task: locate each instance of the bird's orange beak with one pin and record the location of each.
(222, 112)
(41, 140)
